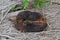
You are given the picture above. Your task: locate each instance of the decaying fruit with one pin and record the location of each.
(27, 21)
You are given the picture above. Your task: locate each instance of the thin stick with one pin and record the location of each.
(6, 13)
(6, 36)
(55, 3)
(42, 10)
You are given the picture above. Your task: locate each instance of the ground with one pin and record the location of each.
(8, 32)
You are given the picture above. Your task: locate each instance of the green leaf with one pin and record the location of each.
(37, 4)
(42, 0)
(13, 7)
(43, 4)
(20, 7)
(25, 3)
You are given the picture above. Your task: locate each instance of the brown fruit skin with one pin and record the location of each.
(26, 24)
(28, 15)
(32, 27)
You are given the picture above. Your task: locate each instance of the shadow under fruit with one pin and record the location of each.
(27, 21)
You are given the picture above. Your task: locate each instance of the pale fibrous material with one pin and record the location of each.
(52, 14)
